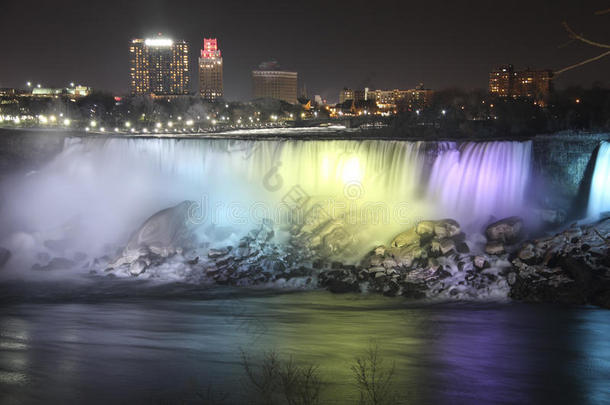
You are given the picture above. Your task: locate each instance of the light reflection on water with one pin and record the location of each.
(148, 349)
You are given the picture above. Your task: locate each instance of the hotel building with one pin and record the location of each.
(270, 82)
(158, 66)
(210, 70)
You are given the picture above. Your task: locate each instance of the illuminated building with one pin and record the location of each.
(158, 66)
(531, 84)
(410, 99)
(346, 94)
(270, 82)
(73, 92)
(210, 70)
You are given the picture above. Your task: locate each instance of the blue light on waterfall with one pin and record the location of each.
(599, 197)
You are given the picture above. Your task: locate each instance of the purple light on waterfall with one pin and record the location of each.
(479, 180)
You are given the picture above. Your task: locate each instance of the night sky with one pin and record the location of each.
(379, 44)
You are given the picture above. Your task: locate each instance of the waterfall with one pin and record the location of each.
(481, 180)
(599, 196)
(98, 190)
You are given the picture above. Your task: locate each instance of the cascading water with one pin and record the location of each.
(599, 196)
(480, 180)
(97, 191)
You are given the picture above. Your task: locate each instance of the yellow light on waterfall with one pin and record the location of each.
(352, 171)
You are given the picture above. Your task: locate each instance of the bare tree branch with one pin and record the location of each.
(579, 37)
(584, 62)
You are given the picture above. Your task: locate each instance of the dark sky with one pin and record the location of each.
(380, 44)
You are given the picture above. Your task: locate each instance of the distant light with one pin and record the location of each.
(128, 124)
(52, 118)
(71, 84)
(577, 101)
(102, 129)
(87, 129)
(116, 129)
(158, 125)
(189, 122)
(170, 124)
(444, 112)
(93, 124)
(29, 84)
(38, 85)
(67, 122)
(158, 42)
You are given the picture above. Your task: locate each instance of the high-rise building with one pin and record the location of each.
(507, 82)
(210, 70)
(346, 94)
(159, 66)
(271, 82)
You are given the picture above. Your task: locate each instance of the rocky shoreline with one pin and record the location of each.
(434, 259)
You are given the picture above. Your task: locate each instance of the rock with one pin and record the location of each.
(163, 234)
(462, 247)
(446, 228)
(480, 262)
(512, 278)
(194, 261)
(216, 253)
(389, 263)
(408, 238)
(527, 254)
(380, 250)
(5, 254)
(572, 233)
(343, 286)
(446, 245)
(138, 267)
(494, 248)
(504, 230)
(406, 256)
(425, 228)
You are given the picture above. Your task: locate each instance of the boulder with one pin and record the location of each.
(162, 234)
(527, 254)
(425, 228)
(138, 267)
(494, 248)
(504, 230)
(408, 238)
(446, 228)
(406, 255)
(379, 250)
(216, 253)
(446, 245)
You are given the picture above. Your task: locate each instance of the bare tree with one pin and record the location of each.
(581, 38)
(374, 381)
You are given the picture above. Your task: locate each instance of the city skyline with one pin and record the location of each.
(88, 44)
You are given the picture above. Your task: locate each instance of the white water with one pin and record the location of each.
(97, 191)
(599, 197)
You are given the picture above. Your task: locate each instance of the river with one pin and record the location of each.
(73, 346)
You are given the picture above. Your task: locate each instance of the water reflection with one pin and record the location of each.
(139, 351)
